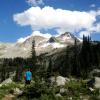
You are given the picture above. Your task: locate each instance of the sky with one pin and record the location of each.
(22, 18)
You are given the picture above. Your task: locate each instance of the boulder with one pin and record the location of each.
(7, 81)
(97, 82)
(59, 80)
(18, 91)
(63, 90)
(94, 82)
(91, 82)
(91, 89)
(58, 95)
(95, 73)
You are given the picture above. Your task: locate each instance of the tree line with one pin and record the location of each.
(17, 66)
(77, 60)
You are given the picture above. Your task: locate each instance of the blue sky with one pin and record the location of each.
(12, 28)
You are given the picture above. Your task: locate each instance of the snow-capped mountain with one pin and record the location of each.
(67, 37)
(42, 45)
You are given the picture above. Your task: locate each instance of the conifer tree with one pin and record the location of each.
(50, 68)
(33, 59)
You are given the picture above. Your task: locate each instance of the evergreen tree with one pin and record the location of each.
(85, 57)
(50, 68)
(19, 68)
(66, 69)
(3, 72)
(33, 59)
(75, 60)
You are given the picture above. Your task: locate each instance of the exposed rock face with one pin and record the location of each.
(52, 40)
(42, 45)
(68, 38)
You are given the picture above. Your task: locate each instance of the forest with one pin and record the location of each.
(77, 60)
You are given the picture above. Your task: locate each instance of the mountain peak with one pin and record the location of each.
(68, 34)
(42, 45)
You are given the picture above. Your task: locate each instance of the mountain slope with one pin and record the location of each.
(42, 45)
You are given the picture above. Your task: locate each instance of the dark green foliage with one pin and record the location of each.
(18, 65)
(40, 90)
(66, 65)
(83, 59)
(79, 59)
(50, 69)
(89, 56)
(32, 60)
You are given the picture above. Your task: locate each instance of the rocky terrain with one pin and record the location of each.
(42, 45)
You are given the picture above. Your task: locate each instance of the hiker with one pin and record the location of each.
(28, 77)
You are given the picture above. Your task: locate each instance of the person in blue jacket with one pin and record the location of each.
(28, 76)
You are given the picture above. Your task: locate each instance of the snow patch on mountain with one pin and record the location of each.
(43, 44)
(54, 45)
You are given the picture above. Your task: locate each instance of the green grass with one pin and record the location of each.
(6, 89)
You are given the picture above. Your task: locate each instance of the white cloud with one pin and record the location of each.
(97, 28)
(35, 2)
(95, 13)
(92, 5)
(91, 30)
(48, 18)
(61, 20)
(22, 39)
(85, 33)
